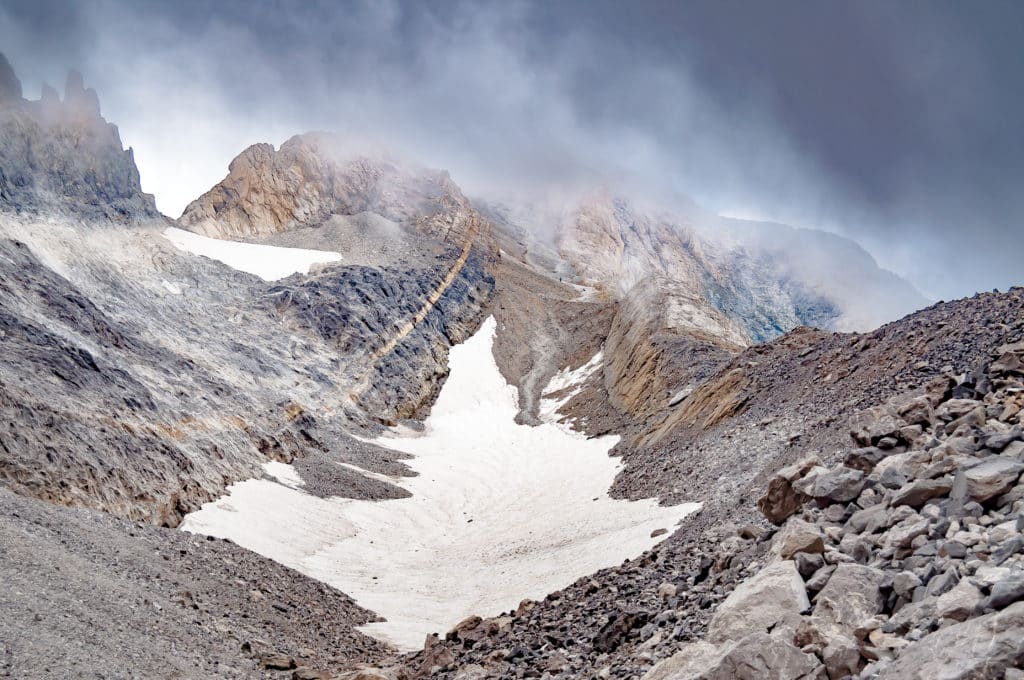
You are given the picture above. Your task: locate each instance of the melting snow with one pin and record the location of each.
(499, 512)
(267, 262)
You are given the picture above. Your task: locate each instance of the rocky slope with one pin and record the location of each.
(899, 554)
(141, 380)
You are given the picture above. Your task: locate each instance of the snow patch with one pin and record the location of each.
(499, 512)
(547, 411)
(267, 262)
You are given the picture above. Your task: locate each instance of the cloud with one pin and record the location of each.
(891, 124)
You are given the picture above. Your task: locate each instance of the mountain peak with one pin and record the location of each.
(64, 155)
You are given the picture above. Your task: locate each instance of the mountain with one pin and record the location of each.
(859, 483)
(61, 154)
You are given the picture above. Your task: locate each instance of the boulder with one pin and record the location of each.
(798, 536)
(992, 477)
(839, 485)
(917, 411)
(959, 603)
(1010, 361)
(758, 656)
(781, 500)
(871, 425)
(917, 493)
(774, 595)
(852, 596)
(983, 647)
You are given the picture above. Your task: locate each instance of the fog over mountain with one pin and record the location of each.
(894, 124)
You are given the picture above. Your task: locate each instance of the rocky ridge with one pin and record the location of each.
(60, 154)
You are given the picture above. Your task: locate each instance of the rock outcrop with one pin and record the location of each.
(312, 177)
(62, 155)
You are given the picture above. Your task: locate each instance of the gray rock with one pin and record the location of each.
(774, 595)
(869, 520)
(992, 477)
(755, 657)
(839, 485)
(919, 492)
(959, 603)
(982, 647)
(852, 595)
(869, 426)
(904, 582)
(1006, 592)
(798, 536)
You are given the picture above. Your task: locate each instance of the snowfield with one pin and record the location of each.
(267, 262)
(499, 512)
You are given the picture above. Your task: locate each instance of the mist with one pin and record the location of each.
(895, 125)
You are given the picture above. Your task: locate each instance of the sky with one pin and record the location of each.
(897, 124)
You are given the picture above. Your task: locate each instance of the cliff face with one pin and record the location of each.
(768, 278)
(61, 154)
(310, 178)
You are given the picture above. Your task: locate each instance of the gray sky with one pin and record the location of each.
(896, 123)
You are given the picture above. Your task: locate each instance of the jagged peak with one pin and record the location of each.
(10, 86)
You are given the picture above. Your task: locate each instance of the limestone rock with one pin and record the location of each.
(992, 477)
(781, 500)
(978, 648)
(776, 594)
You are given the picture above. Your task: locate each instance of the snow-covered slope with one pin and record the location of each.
(498, 512)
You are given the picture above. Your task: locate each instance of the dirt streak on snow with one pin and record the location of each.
(267, 262)
(498, 513)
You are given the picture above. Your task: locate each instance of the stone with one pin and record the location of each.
(276, 662)
(904, 582)
(798, 536)
(983, 647)
(754, 657)
(841, 657)
(852, 595)
(306, 673)
(917, 411)
(869, 426)
(956, 408)
(901, 535)
(999, 441)
(781, 500)
(816, 582)
(992, 477)
(808, 563)
(1006, 592)
(839, 485)
(917, 493)
(959, 603)
(869, 520)
(774, 595)
(1010, 361)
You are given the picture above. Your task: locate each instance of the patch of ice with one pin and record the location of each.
(499, 512)
(172, 288)
(267, 262)
(547, 411)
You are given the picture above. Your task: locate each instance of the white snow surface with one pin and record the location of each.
(267, 262)
(499, 512)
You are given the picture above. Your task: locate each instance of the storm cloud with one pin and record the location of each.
(898, 124)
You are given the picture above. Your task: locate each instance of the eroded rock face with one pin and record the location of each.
(311, 178)
(61, 154)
